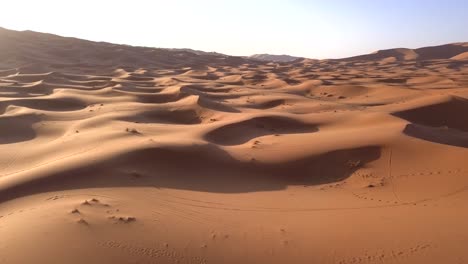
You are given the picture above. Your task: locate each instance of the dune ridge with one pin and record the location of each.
(442, 52)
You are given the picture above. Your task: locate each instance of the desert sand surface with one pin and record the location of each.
(120, 154)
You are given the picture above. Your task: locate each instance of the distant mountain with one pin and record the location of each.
(275, 58)
(48, 51)
(448, 51)
(200, 52)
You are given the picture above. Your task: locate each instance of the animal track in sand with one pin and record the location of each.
(331, 186)
(384, 181)
(20, 211)
(369, 198)
(386, 255)
(432, 172)
(56, 197)
(161, 251)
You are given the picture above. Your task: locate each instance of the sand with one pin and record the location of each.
(119, 154)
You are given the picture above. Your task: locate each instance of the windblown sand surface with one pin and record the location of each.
(118, 154)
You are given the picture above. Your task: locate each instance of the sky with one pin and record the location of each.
(314, 28)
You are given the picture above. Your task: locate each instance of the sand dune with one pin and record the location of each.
(120, 154)
(427, 53)
(461, 56)
(275, 58)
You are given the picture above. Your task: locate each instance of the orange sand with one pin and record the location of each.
(119, 154)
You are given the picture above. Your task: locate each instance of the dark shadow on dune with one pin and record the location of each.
(267, 104)
(291, 81)
(243, 131)
(200, 168)
(160, 98)
(55, 104)
(443, 123)
(256, 78)
(456, 65)
(165, 116)
(210, 89)
(392, 80)
(14, 129)
(210, 104)
(441, 135)
(208, 76)
(137, 78)
(139, 90)
(451, 114)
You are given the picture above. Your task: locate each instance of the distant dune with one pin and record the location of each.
(119, 154)
(461, 56)
(442, 52)
(27, 47)
(274, 58)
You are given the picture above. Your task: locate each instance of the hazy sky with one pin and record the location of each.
(314, 28)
